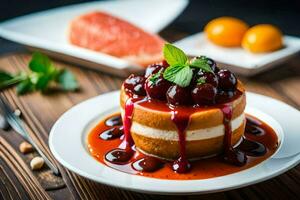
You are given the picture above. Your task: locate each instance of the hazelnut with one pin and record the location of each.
(37, 163)
(25, 147)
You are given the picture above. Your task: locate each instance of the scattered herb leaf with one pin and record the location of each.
(67, 80)
(42, 74)
(24, 87)
(40, 63)
(4, 76)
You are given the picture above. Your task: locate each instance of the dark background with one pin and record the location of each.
(283, 13)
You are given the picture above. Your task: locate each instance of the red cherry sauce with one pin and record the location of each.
(181, 121)
(115, 147)
(231, 155)
(124, 153)
(112, 153)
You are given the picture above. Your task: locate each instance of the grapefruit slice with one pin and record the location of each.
(102, 32)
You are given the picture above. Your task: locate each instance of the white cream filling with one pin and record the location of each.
(198, 134)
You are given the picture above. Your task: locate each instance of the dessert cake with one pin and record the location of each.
(184, 109)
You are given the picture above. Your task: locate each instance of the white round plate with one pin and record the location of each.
(67, 142)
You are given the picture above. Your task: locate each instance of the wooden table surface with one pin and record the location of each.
(40, 112)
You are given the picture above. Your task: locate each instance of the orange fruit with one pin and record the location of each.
(262, 38)
(226, 31)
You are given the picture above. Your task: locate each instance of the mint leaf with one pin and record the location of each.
(201, 63)
(24, 87)
(42, 74)
(4, 76)
(43, 82)
(201, 80)
(40, 63)
(7, 79)
(178, 74)
(67, 80)
(174, 55)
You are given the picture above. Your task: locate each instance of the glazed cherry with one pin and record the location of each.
(227, 80)
(204, 94)
(157, 88)
(135, 84)
(165, 64)
(153, 69)
(224, 96)
(177, 95)
(208, 77)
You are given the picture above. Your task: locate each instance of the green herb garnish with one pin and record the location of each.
(41, 76)
(179, 74)
(155, 77)
(201, 80)
(201, 63)
(180, 70)
(174, 55)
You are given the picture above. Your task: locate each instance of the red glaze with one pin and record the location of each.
(231, 155)
(127, 122)
(181, 120)
(201, 169)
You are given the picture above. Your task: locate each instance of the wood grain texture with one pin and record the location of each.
(24, 175)
(41, 111)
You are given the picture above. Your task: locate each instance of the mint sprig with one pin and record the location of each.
(174, 55)
(201, 63)
(180, 70)
(41, 76)
(179, 74)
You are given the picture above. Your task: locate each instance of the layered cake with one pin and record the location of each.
(155, 133)
(184, 109)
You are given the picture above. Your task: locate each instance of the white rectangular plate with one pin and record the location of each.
(46, 30)
(238, 59)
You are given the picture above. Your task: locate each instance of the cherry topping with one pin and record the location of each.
(157, 88)
(208, 77)
(112, 133)
(153, 69)
(135, 84)
(118, 156)
(224, 96)
(114, 121)
(147, 164)
(165, 64)
(177, 95)
(204, 94)
(227, 80)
